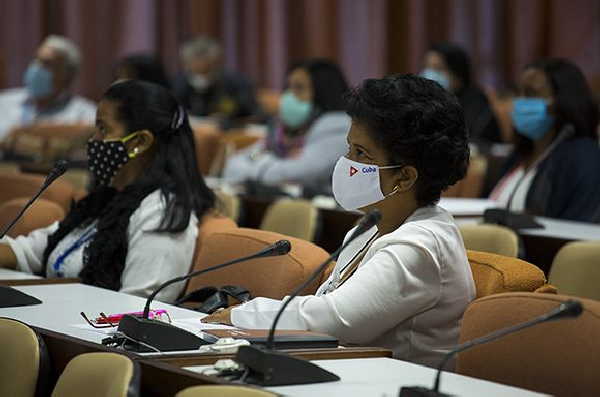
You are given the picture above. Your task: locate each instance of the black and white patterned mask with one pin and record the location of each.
(105, 158)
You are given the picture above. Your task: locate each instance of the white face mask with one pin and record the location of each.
(356, 185)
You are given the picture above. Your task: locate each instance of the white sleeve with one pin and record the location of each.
(397, 283)
(316, 159)
(29, 249)
(241, 166)
(154, 258)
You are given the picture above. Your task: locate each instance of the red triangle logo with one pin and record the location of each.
(353, 170)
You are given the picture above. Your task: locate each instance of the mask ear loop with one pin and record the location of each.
(396, 188)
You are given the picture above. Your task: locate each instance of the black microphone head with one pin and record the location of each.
(282, 247)
(60, 167)
(571, 308)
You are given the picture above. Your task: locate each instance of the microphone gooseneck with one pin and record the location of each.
(280, 247)
(59, 168)
(570, 308)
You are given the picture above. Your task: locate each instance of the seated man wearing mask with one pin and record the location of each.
(46, 97)
(205, 89)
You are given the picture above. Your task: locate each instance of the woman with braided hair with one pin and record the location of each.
(138, 226)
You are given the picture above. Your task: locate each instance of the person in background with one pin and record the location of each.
(145, 67)
(308, 138)
(47, 96)
(449, 65)
(206, 89)
(554, 170)
(405, 283)
(137, 228)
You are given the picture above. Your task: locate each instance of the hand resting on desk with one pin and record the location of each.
(220, 316)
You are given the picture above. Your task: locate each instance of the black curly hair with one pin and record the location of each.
(418, 123)
(173, 170)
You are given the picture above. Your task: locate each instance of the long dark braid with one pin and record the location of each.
(173, 170)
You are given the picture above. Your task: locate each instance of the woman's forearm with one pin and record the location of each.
(7, 257)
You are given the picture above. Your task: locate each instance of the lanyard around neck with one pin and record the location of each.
(85, 237)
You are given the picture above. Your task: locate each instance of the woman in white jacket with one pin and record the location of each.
(138, 226)
(405, 283)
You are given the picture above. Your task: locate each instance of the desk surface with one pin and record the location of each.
(7, 274)
(385, 376)
(62, 304)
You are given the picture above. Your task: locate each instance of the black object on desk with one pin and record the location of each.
(512, 220)
(10, 297)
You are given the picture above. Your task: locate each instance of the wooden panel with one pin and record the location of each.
(40, 281)
(307, 354)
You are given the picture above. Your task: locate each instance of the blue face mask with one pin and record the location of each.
(294, 112)
(436, 76)
(531, 118)
(38, 80)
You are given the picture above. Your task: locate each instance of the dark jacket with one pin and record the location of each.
(231, 96)
(567, 183)
(479, 116)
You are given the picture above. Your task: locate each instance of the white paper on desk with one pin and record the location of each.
(194, 325)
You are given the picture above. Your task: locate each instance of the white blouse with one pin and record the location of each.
(408, 293)
(516, 179)
(152, 258)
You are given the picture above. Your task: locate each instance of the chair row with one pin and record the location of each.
(25, 371)
(220, 240)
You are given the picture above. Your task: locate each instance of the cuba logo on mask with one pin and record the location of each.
(369, 170)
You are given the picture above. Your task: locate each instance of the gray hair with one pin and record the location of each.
(67, 48)
(201, 46)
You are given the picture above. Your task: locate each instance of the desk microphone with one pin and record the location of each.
(11, 297)
(60, 167)
(567, 309)
(270, 368)
(167, 337)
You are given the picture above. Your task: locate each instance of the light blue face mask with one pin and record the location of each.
(531, 118)
(294, 112)
(436, 76)
(38, 80)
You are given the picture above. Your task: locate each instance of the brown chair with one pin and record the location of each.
(268, 100)
(230, 205)
(494, 239)
(560, 358)
(26, 185)
(292, 217)
(472, 184)
(494, 274)
(99, 375)
(576, 269)
(48, 142)
(42, 213)
(224, 391)
(209, 146)
(24, 368)
(272, 277)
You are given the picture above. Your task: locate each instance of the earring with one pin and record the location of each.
(134, 153)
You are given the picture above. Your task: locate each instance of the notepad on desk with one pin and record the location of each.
(284, 339)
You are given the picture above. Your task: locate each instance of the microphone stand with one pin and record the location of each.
(268, 367)
(166, 337)
(570, 308)
(10, 297)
